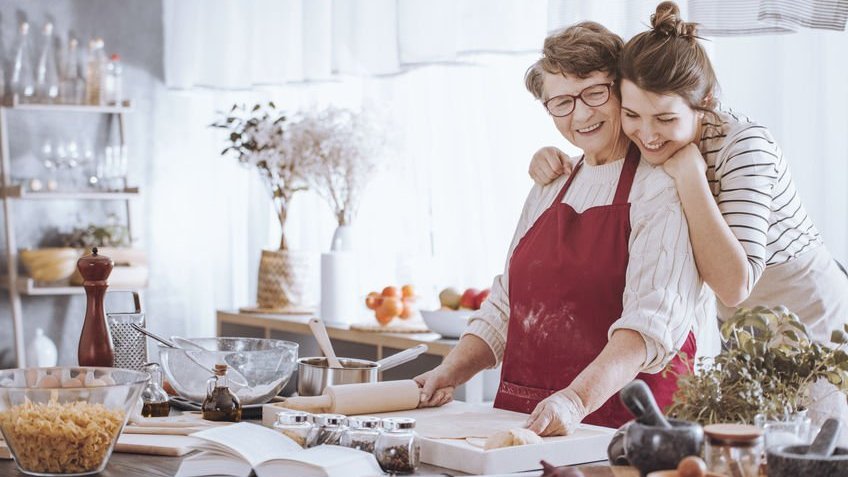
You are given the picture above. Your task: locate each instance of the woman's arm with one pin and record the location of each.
(470, 356)
(721, 259)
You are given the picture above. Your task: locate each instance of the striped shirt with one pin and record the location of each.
(752, 185)
(664, 297)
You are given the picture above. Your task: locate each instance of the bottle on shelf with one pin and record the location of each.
(47, 76)
(220, 403)
(73, 75)
(113, 81)
(95, 67)
(22, 81)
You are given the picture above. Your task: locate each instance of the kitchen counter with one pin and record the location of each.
(135, 465)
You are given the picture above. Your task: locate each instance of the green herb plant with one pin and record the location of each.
(766, 367)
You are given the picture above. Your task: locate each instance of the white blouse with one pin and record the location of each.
(664, 297)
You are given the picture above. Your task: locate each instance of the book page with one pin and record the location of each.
(326, 460)
(252, 442)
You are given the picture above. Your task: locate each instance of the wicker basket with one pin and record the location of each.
(50, 264)
(283, 278)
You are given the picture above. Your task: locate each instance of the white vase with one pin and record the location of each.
(343, 239)
(339, 292)
(41, 352)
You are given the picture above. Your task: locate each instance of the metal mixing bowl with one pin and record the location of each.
(262, 367)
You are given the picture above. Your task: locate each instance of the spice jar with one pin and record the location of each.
(295, 425)
(734, 450)
(154, 398)
(397, 449)
(328, 429)
(361, 433)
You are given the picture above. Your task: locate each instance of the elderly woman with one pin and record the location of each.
(600, 285)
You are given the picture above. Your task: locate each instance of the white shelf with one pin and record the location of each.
(126, 107)
(18, 192)
(28, 286)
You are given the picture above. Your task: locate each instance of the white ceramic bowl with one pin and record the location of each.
(448, 323)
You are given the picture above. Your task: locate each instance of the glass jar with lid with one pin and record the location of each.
(296, 425)
(361, 433)
(397, 449)
(734, 449)
(328, 429)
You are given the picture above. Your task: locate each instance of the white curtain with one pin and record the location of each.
(461, 128)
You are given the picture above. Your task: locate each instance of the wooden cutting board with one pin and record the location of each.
(459, 421)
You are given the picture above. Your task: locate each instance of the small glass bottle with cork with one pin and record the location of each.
(154, 397)
(220, 403)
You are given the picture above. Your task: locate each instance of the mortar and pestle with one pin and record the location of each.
(822, 458)
(652, 442)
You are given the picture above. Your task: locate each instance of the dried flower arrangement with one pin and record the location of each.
(344, 148)
(258, 139)
(767, 366)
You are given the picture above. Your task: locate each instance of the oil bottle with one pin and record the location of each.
(220, 403)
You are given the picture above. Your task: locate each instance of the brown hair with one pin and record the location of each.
(578, 50)
(668, 59)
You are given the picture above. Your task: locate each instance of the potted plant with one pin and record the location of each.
(258, 138)
(767, 368)
(112, 240)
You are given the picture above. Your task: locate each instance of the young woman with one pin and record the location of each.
(753, 241)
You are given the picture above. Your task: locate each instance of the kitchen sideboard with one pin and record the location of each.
(357, 344)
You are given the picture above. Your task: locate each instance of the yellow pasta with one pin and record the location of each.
(61, 437)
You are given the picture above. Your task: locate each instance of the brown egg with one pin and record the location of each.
(692, 466)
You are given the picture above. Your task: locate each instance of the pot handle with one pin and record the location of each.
(402, 357)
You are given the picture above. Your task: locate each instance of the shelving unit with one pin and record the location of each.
(9, 193)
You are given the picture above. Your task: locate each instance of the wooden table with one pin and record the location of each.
(135, 465)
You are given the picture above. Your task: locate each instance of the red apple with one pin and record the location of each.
(480, 298)
(467, 299)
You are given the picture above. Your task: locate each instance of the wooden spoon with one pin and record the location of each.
(320, 333)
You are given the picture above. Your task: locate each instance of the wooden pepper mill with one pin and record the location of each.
(95, 344)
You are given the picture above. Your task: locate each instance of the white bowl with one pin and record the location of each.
(448, 323)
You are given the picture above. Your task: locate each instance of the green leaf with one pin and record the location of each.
(839, 337)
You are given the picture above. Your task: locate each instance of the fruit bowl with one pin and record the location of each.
(448, 323)
(65, 421)
(50, 264)
(263, 367)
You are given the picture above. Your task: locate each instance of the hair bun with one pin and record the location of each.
(666, 21)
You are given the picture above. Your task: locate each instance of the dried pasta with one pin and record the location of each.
(61, 437)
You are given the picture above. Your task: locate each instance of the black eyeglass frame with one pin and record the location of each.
(580, 97)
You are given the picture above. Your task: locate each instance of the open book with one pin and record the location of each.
(237, 449)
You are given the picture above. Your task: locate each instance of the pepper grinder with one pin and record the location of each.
(95, 344)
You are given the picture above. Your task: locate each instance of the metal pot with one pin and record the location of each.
(315, 374)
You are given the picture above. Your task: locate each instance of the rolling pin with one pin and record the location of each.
(362, 398)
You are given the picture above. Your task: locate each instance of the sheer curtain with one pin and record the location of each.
(461, 130)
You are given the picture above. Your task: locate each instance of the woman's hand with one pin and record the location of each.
(687, 163)
(558, 415)
(437, 386)
(547, 164)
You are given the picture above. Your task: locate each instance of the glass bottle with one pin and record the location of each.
(220, 403)
(22, 81)
(153, 395)
(295, 425)
(94, 72)
(361, 433)
(47, 76)
(113, 81)
(397, 449)
(733, 449)
(328, 430)
(73, 76)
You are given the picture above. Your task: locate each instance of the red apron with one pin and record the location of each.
(566, 283)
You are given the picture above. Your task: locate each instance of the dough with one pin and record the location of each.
(512, 437)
